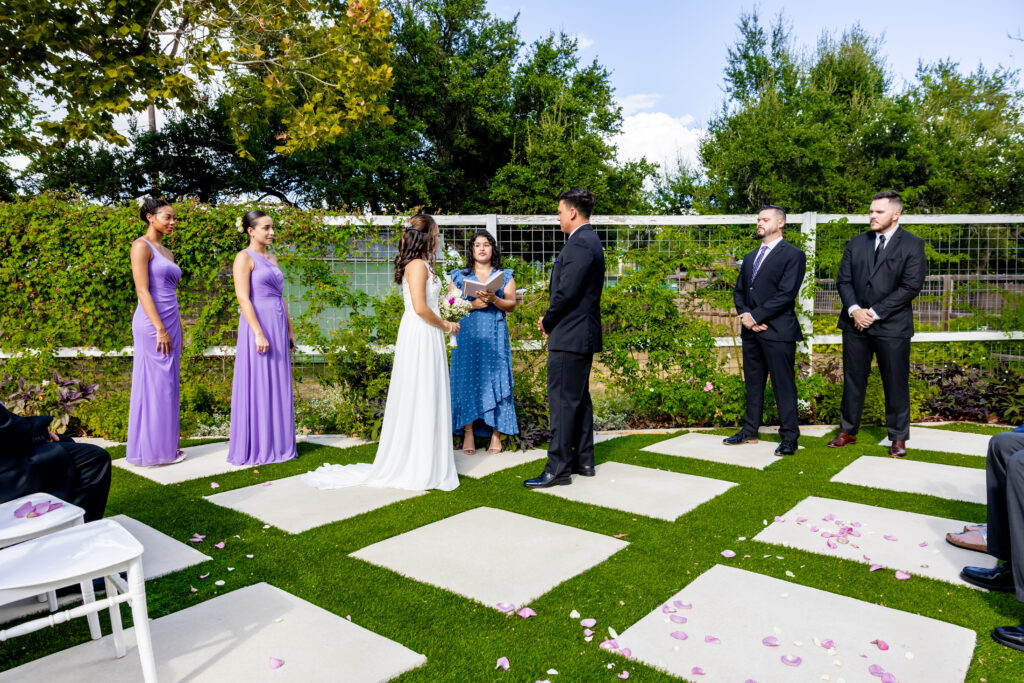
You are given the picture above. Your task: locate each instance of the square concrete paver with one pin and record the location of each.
(96, 441)
(815, 431)
(231, 639)
(333, 440)
(206, 460)
(914, 476)
(492, 555)
(642, 490)
(482, 463)
(294, 506)
(710, 447)
(924, 439)
(890, 538)
(741, 608)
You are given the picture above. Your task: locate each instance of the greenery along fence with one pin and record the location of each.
(64, 271)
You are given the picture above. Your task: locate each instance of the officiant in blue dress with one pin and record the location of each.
(481, 373)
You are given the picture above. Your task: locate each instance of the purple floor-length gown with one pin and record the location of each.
(154, 433)
(262, 411)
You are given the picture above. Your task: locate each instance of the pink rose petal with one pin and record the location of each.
(828, 644)
(801, 520)
(609, 645)
(506, 607)
(54, 506)
(923, 544)
(828, 518)
(791, 660)
(711, 639)
(888, 678)
(219, 545)
(902, 576)
(875, 567)
(814, 529)
(679, 635)
(867, 559)
(677, 619)
(268, 483)
(626, 652)
(41, 509)
(502, 663)
(589, 623)
(770, 641)
(214, 485)
(624, 675)
(276, 663)
(780, 519)
(728, 553)
(682, 605)
(697, 671)
(882, 645)
(587, 632)
(665, 609)
(526, 613)
(23, 510)
(876, 670)
(831, 544)
(203, 576)
(890, 538)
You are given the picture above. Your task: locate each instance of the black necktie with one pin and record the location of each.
(879, 248)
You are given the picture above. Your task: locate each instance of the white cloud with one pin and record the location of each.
(660, 137)
(582, 42)
(631, 104)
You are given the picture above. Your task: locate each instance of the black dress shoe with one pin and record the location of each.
(998, 579)
(547, 480)
(786, 448)
(585, 470)
(739, 438)
(1010, 636)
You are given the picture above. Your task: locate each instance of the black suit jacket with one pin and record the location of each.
(19, 434)
(771, 297)
(573, 318)
(889, 287)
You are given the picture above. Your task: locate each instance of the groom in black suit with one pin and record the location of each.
(573, 326)
(765, 297)
(881, 274)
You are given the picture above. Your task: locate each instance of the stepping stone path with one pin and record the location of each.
(710, 447)
(202, 461)
(294, 506)
(728, 614)
(814, 431)
(915, 476)
(493, 556)
(641, 490)
(890, 539)
(944, 440)
(231, 639)
(482, 463)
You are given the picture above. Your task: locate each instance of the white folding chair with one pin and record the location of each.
(17, 529)
(80, 554)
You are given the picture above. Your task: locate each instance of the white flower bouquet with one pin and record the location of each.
(453, 308)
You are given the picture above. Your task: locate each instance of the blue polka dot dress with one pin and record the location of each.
(481, 374)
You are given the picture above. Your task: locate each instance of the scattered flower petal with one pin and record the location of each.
(728, 553)
(215, 485)
(574, 614)
(250, 556)
(791, 660)
(588, 639)
(276, 663)
(589, 623)
(266, 526)
(882, 645)
(770, 641)
(712, 639)
(828, 518)
(219, 582)
(814, 529)
(697, 671)
(866, 558)
(902, 576)
(874, 568)
(609, 645)
(203, 576)
(831, 544)
(624, 675)
(665, 609)
(349, 617)
(526, 613)
(909, 655)
(626, 652)
(679, 635)
(552, 672)
(268, 483)
(876, 670)
(613, 633)
(506, 607)
(24, 509)
(502, 663)
(828, 644)
(194, 589)
(801, 520)
(888, 678)
(677, 619)
(683, 605)
(780, 519)
(923, 544)
(890, 538)
(587, 632)
(790, 574)
(219, 545)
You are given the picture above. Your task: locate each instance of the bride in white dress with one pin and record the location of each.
(415, 450)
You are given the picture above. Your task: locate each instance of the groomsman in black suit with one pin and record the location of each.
(881, 274)
(573, 326)
(765, 297)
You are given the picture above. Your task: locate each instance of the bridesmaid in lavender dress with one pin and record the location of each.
(153, 428)
(262, 411)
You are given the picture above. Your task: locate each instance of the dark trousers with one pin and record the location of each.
(893, 356)
(1004, 472)
(75, 472)
(92, 464)
(763, 358)
(572, 413)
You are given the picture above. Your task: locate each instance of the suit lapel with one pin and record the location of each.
(760, 268)
(894, 242)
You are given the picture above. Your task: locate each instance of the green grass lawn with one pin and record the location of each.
(463, 639)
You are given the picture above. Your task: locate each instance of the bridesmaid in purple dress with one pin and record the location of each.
(262, 411)
(153, 428)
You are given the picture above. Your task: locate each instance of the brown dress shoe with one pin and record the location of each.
(898, 449)
(843, 439)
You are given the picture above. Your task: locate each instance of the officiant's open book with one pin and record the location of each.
(470, 288)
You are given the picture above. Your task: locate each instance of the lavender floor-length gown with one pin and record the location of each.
(154, 433)
(262, 410)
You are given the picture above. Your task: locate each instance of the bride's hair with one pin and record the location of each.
(419, 240)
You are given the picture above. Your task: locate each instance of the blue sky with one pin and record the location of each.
(666, 58)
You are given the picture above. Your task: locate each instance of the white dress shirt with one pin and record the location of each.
(888, 238)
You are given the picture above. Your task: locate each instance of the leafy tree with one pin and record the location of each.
(319, 64)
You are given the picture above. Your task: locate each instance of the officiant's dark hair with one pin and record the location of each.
(495, 252)
(579, 199)
(418, 241)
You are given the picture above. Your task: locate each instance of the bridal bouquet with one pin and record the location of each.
(453, 308)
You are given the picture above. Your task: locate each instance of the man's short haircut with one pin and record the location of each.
(777, 209)
(893, 196)
(579, 199)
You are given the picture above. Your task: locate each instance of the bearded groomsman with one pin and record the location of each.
(881, 274)
(765, 297)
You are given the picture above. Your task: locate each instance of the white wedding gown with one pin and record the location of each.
(415, 450)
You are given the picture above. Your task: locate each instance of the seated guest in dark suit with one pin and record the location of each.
(1004, 471)
(35, 460)
(881, 274)
(765, 297)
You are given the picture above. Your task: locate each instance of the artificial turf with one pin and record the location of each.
(463, 639)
